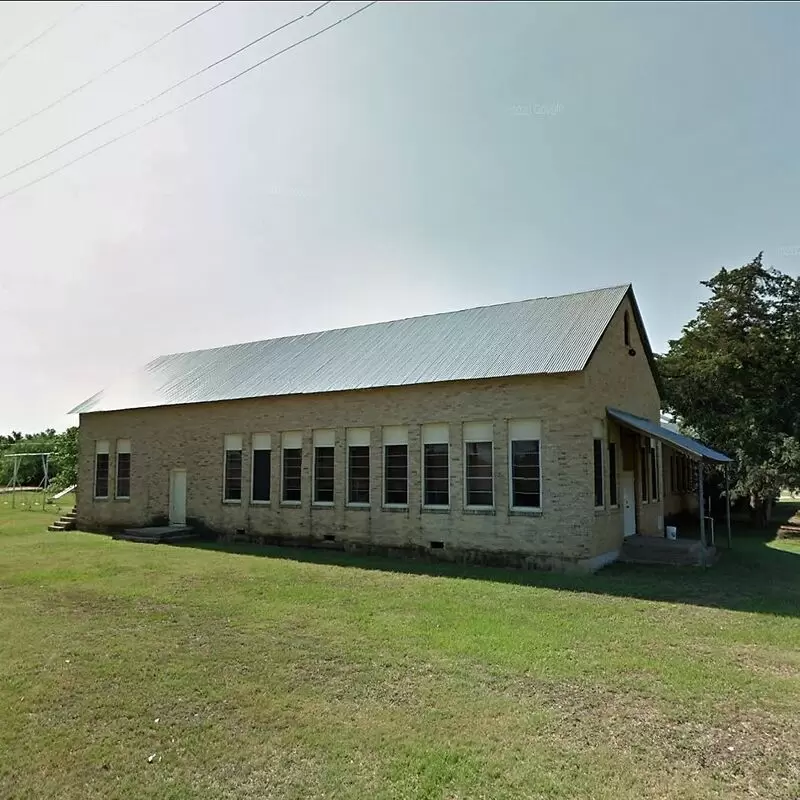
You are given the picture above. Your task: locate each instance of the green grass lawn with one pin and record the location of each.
(270, 673)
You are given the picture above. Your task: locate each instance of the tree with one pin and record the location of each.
(65, 458)
(733, 377)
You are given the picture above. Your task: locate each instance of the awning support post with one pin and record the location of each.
(702, 507)
(728, 503)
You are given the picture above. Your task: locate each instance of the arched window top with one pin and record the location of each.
(627, 329)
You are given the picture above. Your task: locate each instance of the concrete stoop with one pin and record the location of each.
(163, 534)
(675, 552)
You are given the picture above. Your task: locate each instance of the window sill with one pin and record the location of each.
(480, 510)
(122, 499)
(231, 502)
(395, 507)
(435, 509)
(262, 503)
(325, 504)
(102, 499)
(525, 512)
(291, 503)
(358, 506)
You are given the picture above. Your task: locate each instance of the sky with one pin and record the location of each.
(417, 158)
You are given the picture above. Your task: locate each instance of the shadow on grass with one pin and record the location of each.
(750, 577)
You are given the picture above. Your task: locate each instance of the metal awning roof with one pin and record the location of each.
(687, 445)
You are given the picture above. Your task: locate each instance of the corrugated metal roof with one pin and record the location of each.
(544, 335)
(685, 443)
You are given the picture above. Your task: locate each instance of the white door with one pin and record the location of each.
(628, 503)
(177, 497)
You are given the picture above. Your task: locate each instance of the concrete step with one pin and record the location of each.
(132, 537)
(61, 526)
(156, 535)
(676, 552)
(790, 530)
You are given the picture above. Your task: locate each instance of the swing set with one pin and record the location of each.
(15, 486)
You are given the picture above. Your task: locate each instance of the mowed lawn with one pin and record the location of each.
(140, 671)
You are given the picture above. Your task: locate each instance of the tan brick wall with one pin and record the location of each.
(616, 379)
(192, 436)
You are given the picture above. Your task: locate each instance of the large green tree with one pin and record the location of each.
(733, 376)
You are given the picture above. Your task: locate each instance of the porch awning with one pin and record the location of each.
(690, 447)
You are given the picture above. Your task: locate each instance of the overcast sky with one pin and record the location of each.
(417, 158)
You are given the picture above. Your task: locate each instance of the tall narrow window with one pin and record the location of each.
(123, 488)
(672, 482)
(644, 471)
(262, 468)
(436, 465)
(233, 468)
(654, 470)
(599, 493)
(101, 470)
(626, 322)
(479, 464)
(324, 455)
(395, 466)
(525, 459)
(612, 474)
(599, 483)
(292, 466)
(358, 466)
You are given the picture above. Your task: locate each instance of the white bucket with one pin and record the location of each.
(672, 532)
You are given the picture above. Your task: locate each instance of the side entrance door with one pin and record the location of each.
(628, 503)
(177, 497)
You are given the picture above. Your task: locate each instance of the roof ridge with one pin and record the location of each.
(625, 286)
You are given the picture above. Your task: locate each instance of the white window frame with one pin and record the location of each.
(102, 448)
(524, 431)
(395, 435)
(291, 440)
(357, 437)
(123, 448)
(230, 440)
(471, 435)
(322, 438)
(258, 442)
(435, 433)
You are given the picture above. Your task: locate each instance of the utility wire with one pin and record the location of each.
(109, 70)
(155, 97)
(318, 8)
(4, 62)
(187, 102)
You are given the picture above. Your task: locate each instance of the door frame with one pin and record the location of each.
(173, 517)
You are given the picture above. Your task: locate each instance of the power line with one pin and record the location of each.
(110, 69)
(186, 102)
(318, 8)
(155, 97)
(4, 62)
